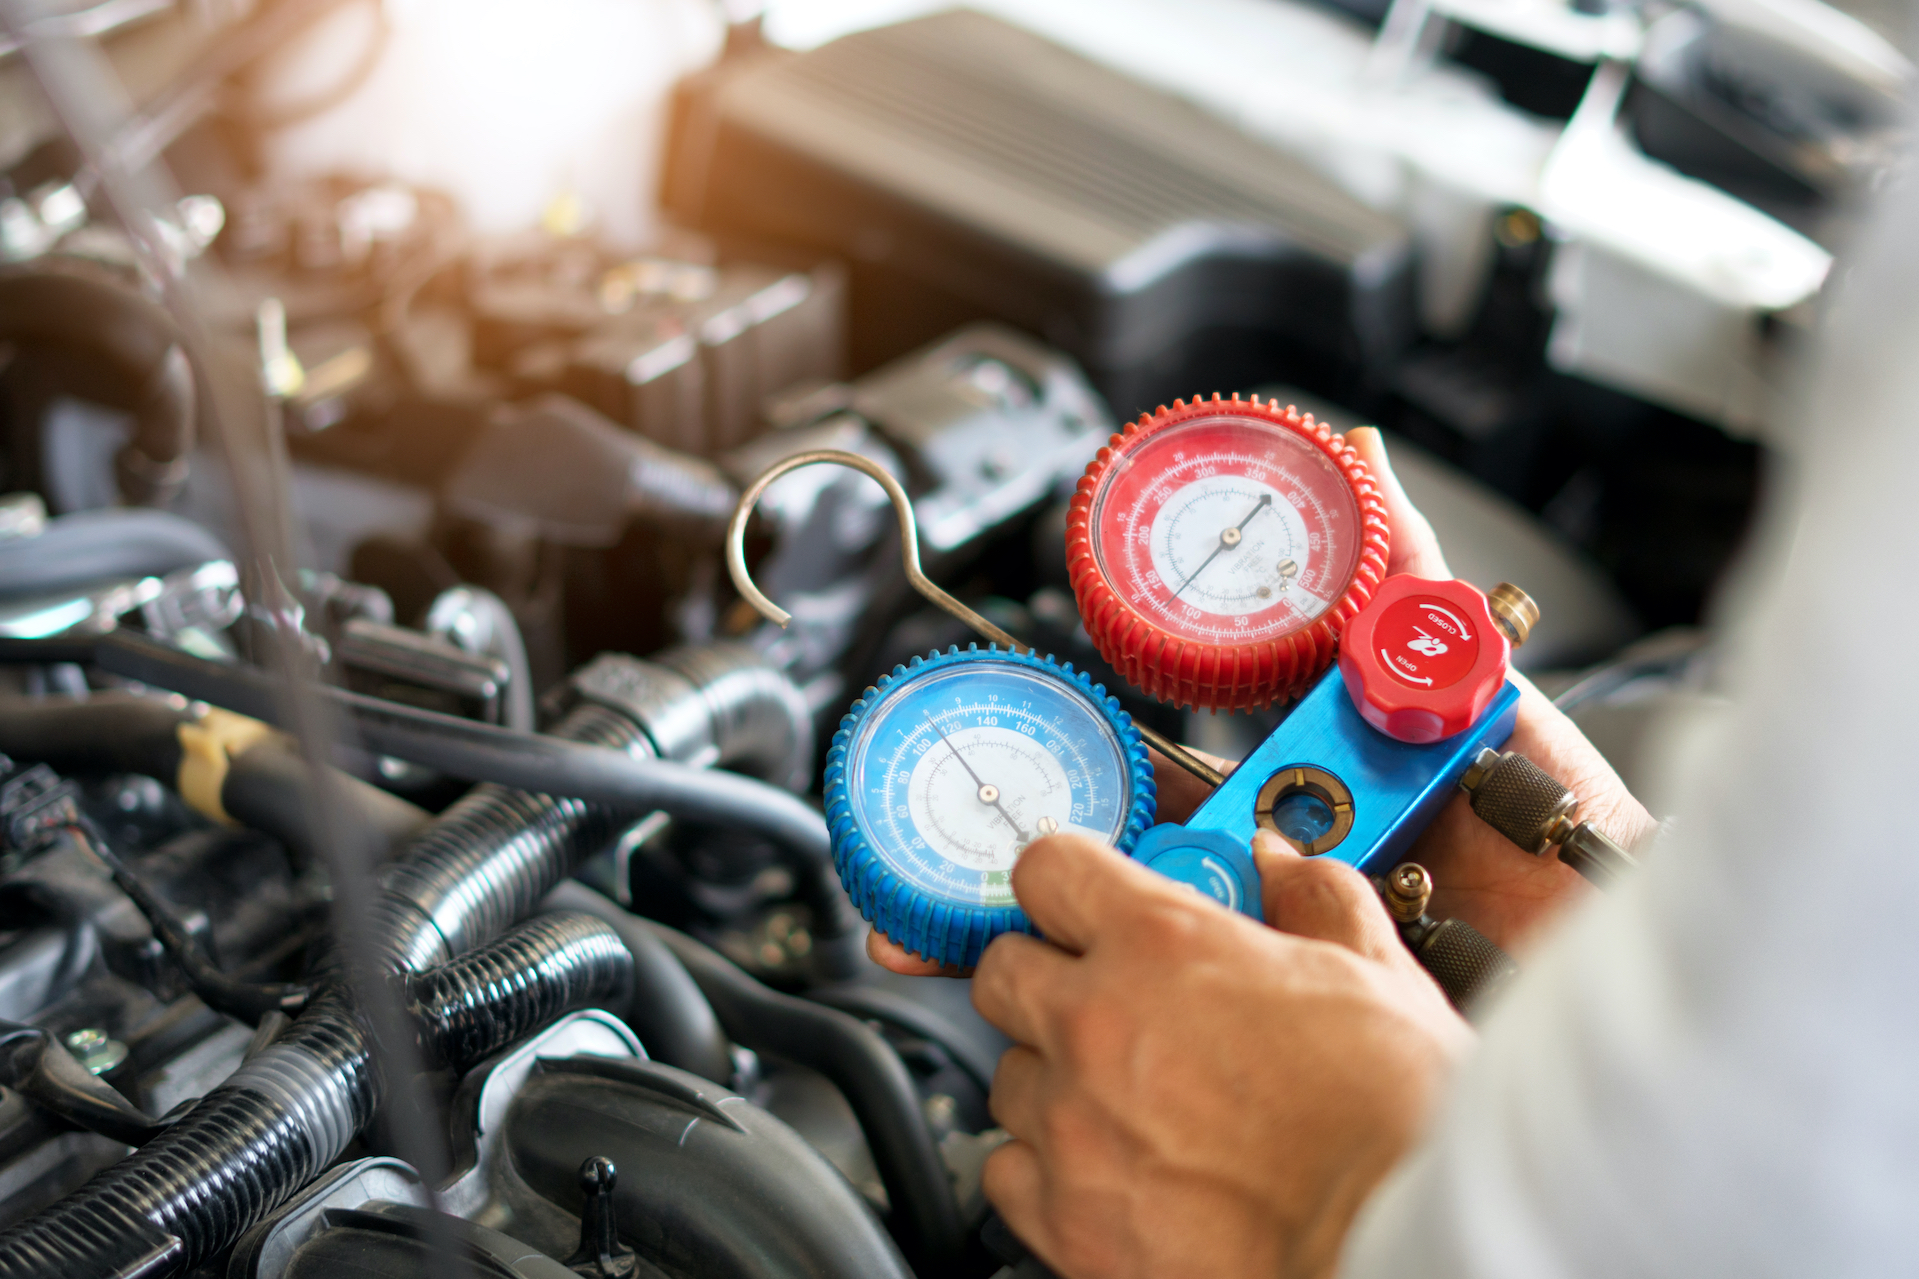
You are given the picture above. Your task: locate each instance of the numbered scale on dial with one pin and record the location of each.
(1217, 548)
(947, 769)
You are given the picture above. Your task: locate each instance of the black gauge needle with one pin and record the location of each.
(988, 793)
(1228, 539)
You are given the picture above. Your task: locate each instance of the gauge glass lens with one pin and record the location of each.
(1227, 530)
(955, 774)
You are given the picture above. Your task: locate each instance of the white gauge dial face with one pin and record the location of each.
(955, 774)
(1231, 546)
(1227, 530)
(981, 825)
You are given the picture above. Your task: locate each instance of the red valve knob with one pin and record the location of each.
(1423, 658)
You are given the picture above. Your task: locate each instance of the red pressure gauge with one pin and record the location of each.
(1217, 548)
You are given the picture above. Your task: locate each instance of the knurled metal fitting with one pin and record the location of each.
(1520, 800)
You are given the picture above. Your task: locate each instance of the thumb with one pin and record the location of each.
(1415, 547)
(1323, 899)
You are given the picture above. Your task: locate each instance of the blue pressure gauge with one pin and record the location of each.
(943, 773)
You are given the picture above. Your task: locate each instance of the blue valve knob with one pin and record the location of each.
(1212, 862)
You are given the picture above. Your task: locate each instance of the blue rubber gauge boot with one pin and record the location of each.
(944, 772)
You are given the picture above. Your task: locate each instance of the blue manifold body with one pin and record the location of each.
(1395, 790)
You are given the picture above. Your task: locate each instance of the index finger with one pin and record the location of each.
(1073, 888)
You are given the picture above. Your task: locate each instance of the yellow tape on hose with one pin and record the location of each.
(207, 748)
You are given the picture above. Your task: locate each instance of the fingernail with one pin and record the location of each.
(1272, 844)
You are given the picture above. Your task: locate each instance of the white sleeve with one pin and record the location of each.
(1715, 1069)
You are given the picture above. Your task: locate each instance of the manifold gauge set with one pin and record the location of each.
(1225, 554)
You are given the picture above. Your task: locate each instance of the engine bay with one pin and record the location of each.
(411, 848)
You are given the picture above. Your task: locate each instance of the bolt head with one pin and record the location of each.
(98, 1051)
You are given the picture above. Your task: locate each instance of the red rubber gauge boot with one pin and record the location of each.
(1217, 549)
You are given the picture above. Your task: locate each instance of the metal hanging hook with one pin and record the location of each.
(910, 561)
(909, 543)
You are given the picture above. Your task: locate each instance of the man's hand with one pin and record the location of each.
(1478, 875)
(1192, 1093)
(1179, 794)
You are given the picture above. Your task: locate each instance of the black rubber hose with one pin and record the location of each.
(533, 762)
(552, 964)
(269, 788)
(667, 1010)
(266, 786)
(106, 733)
(859, 1061)
(975, 1051)
(75, 303)
(462, 747)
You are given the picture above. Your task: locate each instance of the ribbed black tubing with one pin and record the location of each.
(552, 964)
(488, 860)
(290, 1111)
(267, 1131)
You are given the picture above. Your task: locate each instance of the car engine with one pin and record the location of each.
(411, 857)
